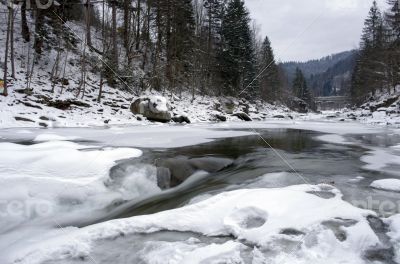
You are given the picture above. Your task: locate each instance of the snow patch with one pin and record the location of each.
(260, 217)
(387, 184)
(379, 159)
(58, 178)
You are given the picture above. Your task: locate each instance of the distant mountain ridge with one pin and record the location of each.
(330, 75)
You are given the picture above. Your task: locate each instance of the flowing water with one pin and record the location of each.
(276, 157)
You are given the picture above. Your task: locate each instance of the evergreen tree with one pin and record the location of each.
(299, 83)
(373, 33)
(393, 51)
(237, 57)
(213, 20)
(269, 80)
(370, 72)
(301, 90)
(393, 18)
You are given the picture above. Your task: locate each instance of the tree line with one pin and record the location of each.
(378, 62)
(198, 46)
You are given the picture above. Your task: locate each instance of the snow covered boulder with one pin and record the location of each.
(228, 105)
(154, 108)
(298, 105)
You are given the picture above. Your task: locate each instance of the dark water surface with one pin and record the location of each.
(298, 153)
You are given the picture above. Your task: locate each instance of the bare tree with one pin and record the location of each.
(103, 40)
(138, 9)
(10, 12)
(12, 43)
(54, 71)
(114, 34)
(63, 75)
(87, 20)
(127, 8)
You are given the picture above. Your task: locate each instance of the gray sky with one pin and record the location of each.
(310, 29)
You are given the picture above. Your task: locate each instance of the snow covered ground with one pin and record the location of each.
(273, 224)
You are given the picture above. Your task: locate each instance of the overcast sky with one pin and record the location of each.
(309, 29)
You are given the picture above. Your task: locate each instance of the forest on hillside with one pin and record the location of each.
(208, 47)
(328, 76)
(201, 46)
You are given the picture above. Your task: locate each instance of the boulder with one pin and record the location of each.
(181, 119)
(172, 172)
(228, 105)
(65, 104)
(242, 116)
(154, 108)
(220, 117)
(18, 118)
(384, 104)
(298, 105)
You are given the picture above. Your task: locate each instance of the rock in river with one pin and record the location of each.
(177, 170)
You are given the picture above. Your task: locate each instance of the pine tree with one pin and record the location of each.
(300, 89)
(237, 57)
(370, 72)
(372, 36)
(269, 80)
(182, 39)
(213, 22)
(393, 18)
(393, 51)
(299, 83)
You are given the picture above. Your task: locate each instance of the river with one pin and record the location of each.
(275, 155)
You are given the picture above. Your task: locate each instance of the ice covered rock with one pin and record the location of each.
(154, 108)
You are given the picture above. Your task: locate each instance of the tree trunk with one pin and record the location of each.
(63, 76)
(24, 24)
(138, 7)
(146, 37)
(38, 31)
(54, 71)
(114, 34)
(10, 11)
(126, 24)
(87, 20)
(12, 44)
(27, 67)
(103, 36)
